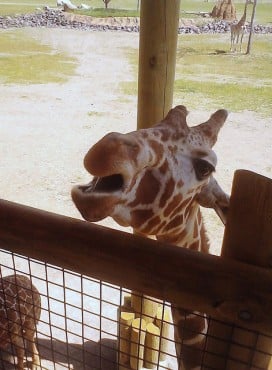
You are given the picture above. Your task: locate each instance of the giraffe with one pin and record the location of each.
(237, 31)
(20, 309)
(155, 180)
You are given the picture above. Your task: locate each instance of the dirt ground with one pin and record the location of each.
(47, 129)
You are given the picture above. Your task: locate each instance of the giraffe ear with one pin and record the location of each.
(210, 129)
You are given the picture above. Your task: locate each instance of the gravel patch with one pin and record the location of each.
(57, 18)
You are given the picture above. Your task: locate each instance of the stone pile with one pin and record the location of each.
(211, 27)
(57, 18)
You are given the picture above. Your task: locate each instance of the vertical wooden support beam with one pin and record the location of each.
(247, 238)
(157, 59)
(156, 75)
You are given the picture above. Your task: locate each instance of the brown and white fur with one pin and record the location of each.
(154, 180)
(20, 310)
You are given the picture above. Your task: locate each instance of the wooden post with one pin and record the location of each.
(152, 346)
(251, 28)
(157, 62)
(157, 59)
(163, 321)
(247, 238)
(125, 321)
(138, 332)
(144, 307)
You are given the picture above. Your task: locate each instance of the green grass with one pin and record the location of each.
(24, 60)
(226, 95)
(263, 10)
(103, 13)
(120, 8)
(29, 6)
(113, 4)
(206, 71)
(208, 76)
(9, 7)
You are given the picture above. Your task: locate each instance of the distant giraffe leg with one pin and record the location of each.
(231, 42)
(18, 341)
(30, 338)
(236, 42)
(234, 36)
(241, 40)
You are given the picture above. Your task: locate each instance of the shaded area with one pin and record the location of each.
(89, 356)
(59, 355)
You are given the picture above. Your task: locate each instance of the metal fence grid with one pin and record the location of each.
(78, 327)
(83, 326)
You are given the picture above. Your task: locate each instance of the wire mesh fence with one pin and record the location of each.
(89, 324)
(80, 317)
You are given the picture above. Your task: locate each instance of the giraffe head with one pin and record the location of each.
(151, 179)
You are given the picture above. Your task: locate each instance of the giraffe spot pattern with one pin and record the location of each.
(195, 246)
(157, 148)
(147, 190)
(172, 204)
(165, 135)
(168, 191)
(148, 229)
(164, 167)
(140, 216)
(177, 221)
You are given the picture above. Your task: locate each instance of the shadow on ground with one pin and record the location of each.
(59, 355)
(88, 356)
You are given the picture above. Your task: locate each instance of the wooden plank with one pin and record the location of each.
(157, 59)
(248, 235)
(189, 279)
(247, 238)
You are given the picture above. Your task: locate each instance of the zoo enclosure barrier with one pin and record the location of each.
(85, 274)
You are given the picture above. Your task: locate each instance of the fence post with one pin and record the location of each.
(247, 238)
(159, 22)
(157, 59)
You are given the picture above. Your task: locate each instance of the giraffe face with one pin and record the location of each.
(149, 178)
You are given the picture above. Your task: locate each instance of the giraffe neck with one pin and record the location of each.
(191, 234)
(189, 343)
(243, 19)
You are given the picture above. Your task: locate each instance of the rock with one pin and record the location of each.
(57, 18)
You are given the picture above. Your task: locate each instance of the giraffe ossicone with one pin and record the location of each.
(155, 180)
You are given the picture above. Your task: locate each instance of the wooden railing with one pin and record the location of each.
(236, 287)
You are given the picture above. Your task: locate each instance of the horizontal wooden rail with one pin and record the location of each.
(220, 287)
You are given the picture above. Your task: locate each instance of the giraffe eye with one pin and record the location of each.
(202, 168)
